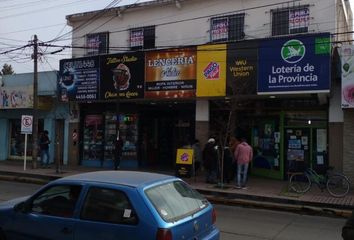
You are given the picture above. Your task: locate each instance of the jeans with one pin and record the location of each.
(45, 157)
(242, 169)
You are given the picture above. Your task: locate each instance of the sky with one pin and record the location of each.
(20, 20)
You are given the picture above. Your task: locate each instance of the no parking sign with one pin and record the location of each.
(26, 124)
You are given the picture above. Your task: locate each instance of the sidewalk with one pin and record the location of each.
(261, 192)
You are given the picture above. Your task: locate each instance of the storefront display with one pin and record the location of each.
(93, 138)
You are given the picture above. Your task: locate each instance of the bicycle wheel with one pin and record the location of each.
(299, 182)
(338, 185)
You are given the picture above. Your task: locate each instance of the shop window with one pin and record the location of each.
(227, 28)
(97, 43)
(93, 137)
(142, 38)
(290, 20)
(17, 140)
(266, 144)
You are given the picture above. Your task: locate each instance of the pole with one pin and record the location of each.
(25, 155)
(35, 102)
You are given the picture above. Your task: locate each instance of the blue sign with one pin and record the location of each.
(298, 64)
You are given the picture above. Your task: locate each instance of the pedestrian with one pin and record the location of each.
(227, 166)
(210, 160)
(44, 142)
(197, 153)
(243, 155)
(118, 150)
(348, 228)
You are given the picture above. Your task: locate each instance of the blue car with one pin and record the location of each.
(107, 205)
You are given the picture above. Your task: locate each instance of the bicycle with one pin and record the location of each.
(337, 184)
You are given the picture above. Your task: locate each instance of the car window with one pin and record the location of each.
(59, 200)
(108, 205)
(175, 200)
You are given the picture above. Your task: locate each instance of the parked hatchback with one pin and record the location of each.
(110, 205)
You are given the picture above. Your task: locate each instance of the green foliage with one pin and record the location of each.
(6, 70)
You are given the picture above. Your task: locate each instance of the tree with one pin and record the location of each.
(6, 70)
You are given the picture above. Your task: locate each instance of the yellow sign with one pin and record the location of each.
(184, 156)
(211, 70)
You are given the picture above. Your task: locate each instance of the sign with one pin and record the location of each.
(184, 161)
(123, 71)
(219, 29)
(347, 66)
(137, 38)
(211, 68)
(26, 124)
(299, 64)
(97, 43)
(299, 18)
(16, 97)
(79, 79)
(242, 68)
(170, 73)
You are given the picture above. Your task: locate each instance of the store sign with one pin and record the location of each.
(97, 43)
(299, 18)
(79, 79)
(347, 59)
(211, 68)
(242, 68)
(123, 74)
(184, 161)
(295, 65)
(219, 29)
(137, 38)
(170, 73)
(16, 97)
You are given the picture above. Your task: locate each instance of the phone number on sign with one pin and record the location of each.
(86, 97)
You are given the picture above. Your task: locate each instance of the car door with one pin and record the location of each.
(49, 215)
(106, 214)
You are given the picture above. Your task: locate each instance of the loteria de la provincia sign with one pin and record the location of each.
(299, 64)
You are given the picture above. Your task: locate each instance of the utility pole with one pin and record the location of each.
(35, 103)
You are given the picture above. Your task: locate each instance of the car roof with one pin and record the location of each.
(128, 178)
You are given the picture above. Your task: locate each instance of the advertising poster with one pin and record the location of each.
(211, 70)
(123, 74)
(299, 18)
(219, 29)
(298, 64)
(97, 43)
(12, 97)
(170, 73)
(184, 161)
(79, 79)
(347, 60)
(242, 61)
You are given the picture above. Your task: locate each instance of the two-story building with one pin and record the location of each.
(180, 66)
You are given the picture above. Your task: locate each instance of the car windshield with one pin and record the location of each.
(175, 200)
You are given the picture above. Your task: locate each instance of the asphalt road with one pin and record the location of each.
(237, 223)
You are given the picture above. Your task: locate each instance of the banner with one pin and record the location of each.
(347, 60)
(299, 18)
(219, 29)
(79, 79)
(242, 66)
(211, 69)
(97, 43)
(184, 162)
(13, 97)
(170, 73)
(298, 64)
(123, 73)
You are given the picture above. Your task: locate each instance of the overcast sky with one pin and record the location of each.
(21, 19)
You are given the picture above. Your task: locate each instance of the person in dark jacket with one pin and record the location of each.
(210, 160)
(348, 228)
(118, 150)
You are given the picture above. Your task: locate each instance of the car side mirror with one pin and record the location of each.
(21, 207)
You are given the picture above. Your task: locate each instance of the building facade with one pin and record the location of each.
(16, 100)
(180, 67)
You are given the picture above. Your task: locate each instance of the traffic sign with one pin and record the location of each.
(26, 124)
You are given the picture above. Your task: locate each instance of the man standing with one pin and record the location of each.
(243, 156)
(44, 142)
(210, 160)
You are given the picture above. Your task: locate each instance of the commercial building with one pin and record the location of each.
(179, 68)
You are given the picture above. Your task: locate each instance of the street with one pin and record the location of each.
(237, 223)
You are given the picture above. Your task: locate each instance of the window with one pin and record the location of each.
(59, 200)
(108, 205)
(142, 38)
(228, 28)
(175, 200)
(290, 20)
(97, 43)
